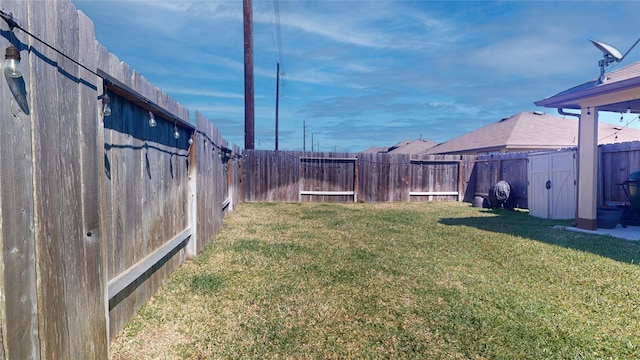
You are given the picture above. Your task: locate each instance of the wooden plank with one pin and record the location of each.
(426, 161)
(328, 159)
(18, 296)
(91, 167)
(74, 269)
(331, 193)
(105, 185)
(433, 193)
(125, 278)
(50, 248)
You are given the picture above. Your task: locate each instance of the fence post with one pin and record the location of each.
(460, 180)
(230, 184)
(192, 202)
(356, 164)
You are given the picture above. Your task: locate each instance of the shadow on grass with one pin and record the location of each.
(523, 225)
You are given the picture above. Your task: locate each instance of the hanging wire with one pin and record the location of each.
(217, 148)
(615, 133)
(8, 18)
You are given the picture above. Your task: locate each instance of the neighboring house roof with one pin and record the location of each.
(375, 150)
(527, 131)
(411, 147)
(405, 147)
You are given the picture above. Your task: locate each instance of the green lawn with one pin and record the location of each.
(410, 280)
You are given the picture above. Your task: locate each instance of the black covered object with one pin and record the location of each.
(499, 195)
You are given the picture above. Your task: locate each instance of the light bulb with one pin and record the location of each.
(190, 140)
(106, 105)
(152, 120)
(106, 109)
(176, 133)
(12, 66)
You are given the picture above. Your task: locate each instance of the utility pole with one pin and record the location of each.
(311, 142)
(304, 135)
(277, 98)
(249, 110)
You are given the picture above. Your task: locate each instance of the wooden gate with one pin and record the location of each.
(330, 179)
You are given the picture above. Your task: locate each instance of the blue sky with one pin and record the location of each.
(364, 73)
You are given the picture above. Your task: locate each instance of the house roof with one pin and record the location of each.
(375, 150)
(529, 131)
(626, 78)
(404, 147)
(411, 147)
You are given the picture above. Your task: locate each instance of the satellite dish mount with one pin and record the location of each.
(610, 54)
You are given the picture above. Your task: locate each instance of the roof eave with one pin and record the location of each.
(572, 100)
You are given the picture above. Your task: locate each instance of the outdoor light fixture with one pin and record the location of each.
(106, 104)
(176, 133)
(12, 66)
(190, 140)
(152, 120)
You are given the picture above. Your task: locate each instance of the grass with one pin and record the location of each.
(401, 281)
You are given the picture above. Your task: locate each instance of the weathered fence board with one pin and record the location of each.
(18, 296)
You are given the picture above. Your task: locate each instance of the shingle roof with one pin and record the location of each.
(529, 131)
(375, 150)
(412, 147)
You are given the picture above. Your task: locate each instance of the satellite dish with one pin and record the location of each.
(611, 55)
(608, 50)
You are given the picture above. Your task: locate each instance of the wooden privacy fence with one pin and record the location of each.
(342, 177)
(95, 210)
(617, 162)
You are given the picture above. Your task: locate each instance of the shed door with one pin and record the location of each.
(563, 185)
(552, 185)
(538, 195)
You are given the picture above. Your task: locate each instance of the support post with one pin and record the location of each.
(587, 169)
